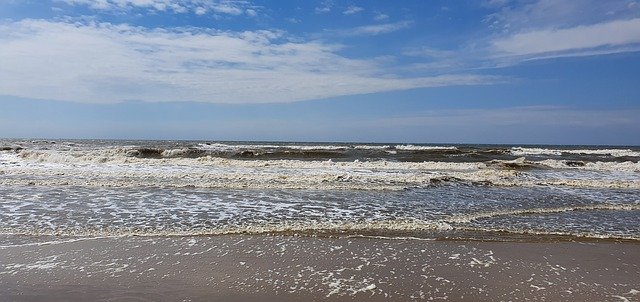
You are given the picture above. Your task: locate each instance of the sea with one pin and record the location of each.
(74, 189)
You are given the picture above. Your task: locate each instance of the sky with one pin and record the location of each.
(484, 71)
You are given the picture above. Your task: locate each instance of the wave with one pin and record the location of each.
(234, 147)
(627, 166)
(518, 163)
(425, 148)
(467, 218)
(218, 147)
(274, 228)
(114, 167)
(405, 229)
(371, 147)
(520, 151)
(522, 163)
(176, 157)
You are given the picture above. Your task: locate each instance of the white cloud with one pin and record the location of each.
(520, 31)
(325, 7)
(428, 52)
(381, 17)
(199, 7)
(293, 20)
(352, 10)
(376, 29)
(495, 3)
(251, 12)
(104, 63)
(613, 36)
(519, 16)
(200, 11)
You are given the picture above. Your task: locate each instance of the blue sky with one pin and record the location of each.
(498, 71)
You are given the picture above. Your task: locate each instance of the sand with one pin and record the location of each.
(294, 268)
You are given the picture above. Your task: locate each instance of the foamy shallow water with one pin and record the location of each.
(426, 213)
(114, 188)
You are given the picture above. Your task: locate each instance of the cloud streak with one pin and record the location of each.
(575, 40)
(520, 31)
(199, 7)
(104, 63)
(376, 29)
(352, 10)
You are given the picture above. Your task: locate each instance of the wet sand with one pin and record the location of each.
(291, 268)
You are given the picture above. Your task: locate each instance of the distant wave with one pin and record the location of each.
(522, 163)
(424, 148)
(234, 147)
(520, 151)
(227, 147)
(118, 167)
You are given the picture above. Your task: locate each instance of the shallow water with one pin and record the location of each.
(114, 188)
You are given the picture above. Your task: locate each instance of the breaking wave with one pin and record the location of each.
(425, 148)
(273, 228)
(520, 151)
(401, 228)
(180, 167)
(466, 218)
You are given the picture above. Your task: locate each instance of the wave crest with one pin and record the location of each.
(466, 218)
(520, 151)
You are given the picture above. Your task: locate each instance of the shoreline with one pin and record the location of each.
(293, 268)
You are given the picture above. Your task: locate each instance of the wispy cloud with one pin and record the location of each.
(199, 7)
(539, 29)
(381, 17)
(547, 29)
(376, 29)
(293, 20)
(429, 52)
(325, 7)
(352, 10)
(102, 62)
(614, 36)
(519, 16)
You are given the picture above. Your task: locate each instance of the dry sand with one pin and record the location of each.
(290, 268)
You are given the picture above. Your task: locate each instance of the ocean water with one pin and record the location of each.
(94, 188)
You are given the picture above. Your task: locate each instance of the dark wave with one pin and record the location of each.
(291, 154)
(516, 164)
(575, 156)
(498, 158)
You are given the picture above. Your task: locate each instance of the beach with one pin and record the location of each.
(296, 268)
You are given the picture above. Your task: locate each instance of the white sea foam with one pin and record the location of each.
(466, 218)
(423, 148)
(386, 229)
(113, 167)
(235, 147)
(372, 147)
(520, 151)
(627, 166)
(52, 242)
(283, 227)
